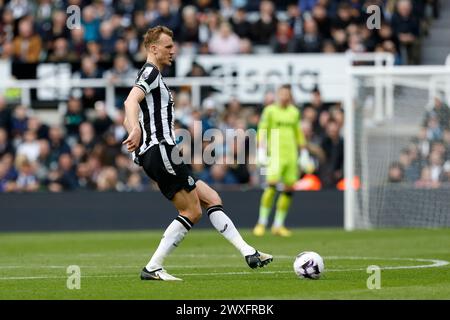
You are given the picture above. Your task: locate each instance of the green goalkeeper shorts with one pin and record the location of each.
(282, 169)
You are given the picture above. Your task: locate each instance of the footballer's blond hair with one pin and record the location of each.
(152, 35)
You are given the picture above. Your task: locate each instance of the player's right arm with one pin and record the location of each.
(131, 122)
(264, 128)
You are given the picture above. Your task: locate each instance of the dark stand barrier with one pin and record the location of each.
(150, 210)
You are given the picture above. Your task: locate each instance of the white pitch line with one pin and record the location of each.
(435, 263)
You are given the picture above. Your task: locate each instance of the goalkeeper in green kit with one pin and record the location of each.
(280, 137)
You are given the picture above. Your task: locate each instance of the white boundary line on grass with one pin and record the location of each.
(434, 263)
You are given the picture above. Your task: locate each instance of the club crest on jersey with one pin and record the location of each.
(191, 181)
(146, 74)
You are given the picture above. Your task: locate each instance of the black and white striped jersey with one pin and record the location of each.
(156, 115)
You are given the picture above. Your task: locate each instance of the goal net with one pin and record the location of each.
(397, 147)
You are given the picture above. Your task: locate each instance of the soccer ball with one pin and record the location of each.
(309, 265)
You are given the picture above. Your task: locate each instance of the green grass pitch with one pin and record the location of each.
(413, 265)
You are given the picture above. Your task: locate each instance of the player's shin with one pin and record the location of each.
(266, 205)
(283, 204)
(172, 237)
(226, 227)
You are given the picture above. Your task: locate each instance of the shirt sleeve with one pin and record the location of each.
(148, 79)
(301, 140)
(263, 125)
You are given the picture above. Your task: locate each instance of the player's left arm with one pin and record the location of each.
(300, 137)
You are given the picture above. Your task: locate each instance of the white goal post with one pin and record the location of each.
(377, 127)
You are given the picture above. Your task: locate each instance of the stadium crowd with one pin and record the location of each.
(425, 162)
(35, 31)
(85, 151)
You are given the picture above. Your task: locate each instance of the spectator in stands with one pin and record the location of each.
(26, 179)
(58, 145)
(307, 5)
(385, 33)
(5, 144)
(20, 8)
(167, 18)
(245, 46)
(84, 177)
(102, 122)
(122, 69)
(5, 115)
(441, 111)
(121, 47)
(58, 28)
(134, 183)
(412, 172)
(395, 174)
(426, 180)
(446, 141)
(224, 41)
(197, 70)
(107, 179)
(313, 145)
(240, 24)
(407, 28)
(29, 147)
(343, 17)
(434, 131)
(68, 178)
(218, 174)
(265, 27)
(110, 148)
(27, 45)
(435, 164)
(93, 51)
(339, 39)
(189, 34)
(141, 20)
(226, 9)
(123, 166)
(323, 21)
(75, 115)
(6, 27)
(78, 153)
(87, 136)
(280, 41)
(6, 184)
(333, 146)
(117, 128)
(239, 169)
(61, 52)
(90, 70)
(295, 19)
(6, 50)
(91, 24)
(107, 40)
(77, 44)
(43, 162)
(19, 121)
(310, 41)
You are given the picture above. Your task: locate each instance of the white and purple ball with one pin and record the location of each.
(308, 265)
